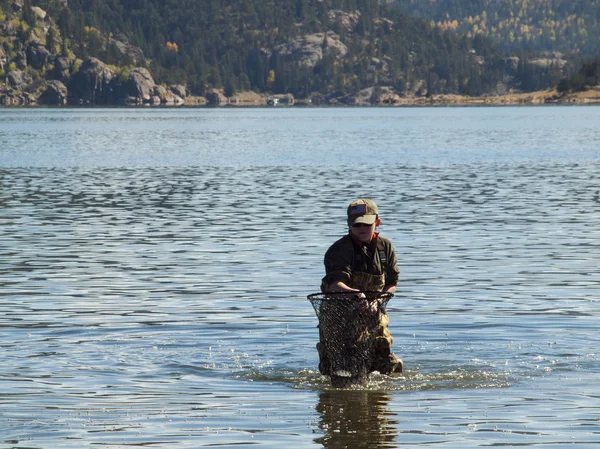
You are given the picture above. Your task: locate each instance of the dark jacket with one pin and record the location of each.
(347, 257)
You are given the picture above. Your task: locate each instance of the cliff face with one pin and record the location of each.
(39, 68)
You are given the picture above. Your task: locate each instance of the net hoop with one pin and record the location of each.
(351, 330)
(316, 299)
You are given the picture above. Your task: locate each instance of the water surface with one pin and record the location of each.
(154, 267)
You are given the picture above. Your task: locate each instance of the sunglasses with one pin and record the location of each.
(362, 225)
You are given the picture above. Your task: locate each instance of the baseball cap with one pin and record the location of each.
(362, 211)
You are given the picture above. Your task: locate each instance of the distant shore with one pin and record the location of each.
(246, 99)
(253, 99)
(591, 96)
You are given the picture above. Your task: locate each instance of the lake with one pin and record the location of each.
(155, 263)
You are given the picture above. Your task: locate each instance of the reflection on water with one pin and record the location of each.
(357, 419)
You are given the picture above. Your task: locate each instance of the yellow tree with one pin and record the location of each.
(271, 78)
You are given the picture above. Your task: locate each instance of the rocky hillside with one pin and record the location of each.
(157, 52)
(37, 66)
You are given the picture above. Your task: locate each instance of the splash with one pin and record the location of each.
(411, 380)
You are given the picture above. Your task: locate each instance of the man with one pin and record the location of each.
(363, 261)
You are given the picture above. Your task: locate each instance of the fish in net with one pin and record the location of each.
(354, 338)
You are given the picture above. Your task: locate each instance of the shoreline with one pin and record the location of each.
(546, 97)
(252, 100)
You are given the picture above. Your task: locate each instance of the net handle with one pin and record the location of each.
(352, 295)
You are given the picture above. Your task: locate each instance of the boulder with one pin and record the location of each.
(53, 93)
(390, 98)
(38, 36)
(37, 56)
(93, 84)
(379, 65)
(15, 78)
(363, 97)
(21, 60)
(178, 101)
(161, 92)
(179, 90)
(39, 12)
(130, 53)
(192, 100)
(248, 98)
(380, 95)
(10, 97)
(216, 98)
(139, 85)
(17, 5)
(309, 49)
(130, 101)
(347, 20)
(167, 97)
(172, 100)
(62, 68)
(7, 99)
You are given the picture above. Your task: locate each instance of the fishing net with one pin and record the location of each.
(354, 336)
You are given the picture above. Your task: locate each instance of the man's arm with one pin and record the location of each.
(338, 268)
(339, 286)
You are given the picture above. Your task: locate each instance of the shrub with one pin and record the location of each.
(76, 66)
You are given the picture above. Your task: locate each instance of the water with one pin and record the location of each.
(154, 267)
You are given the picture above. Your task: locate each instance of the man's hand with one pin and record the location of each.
(370, 306)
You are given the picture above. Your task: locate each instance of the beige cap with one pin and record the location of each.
(362, 211)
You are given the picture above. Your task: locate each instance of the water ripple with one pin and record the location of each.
(166, 305)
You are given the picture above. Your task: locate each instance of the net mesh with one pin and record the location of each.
(349, 329)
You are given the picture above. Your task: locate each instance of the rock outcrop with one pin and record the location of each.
(93, 84)
(347, 20)
(215, 97)
(167, 97)
(39, 12)
(96, 84)
(62, 69)
(37, 56)
(180, 90)
(139, 87)
(129, 52)
(17, 79)
(34, 72)
(545, 63)
(310, 49)
(53, 93)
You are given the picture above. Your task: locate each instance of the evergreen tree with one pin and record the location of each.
(29, 16)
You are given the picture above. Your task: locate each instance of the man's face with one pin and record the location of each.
(363, 232)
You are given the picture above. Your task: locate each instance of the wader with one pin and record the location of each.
(383, 359)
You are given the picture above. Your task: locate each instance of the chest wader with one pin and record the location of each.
(382, 360)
